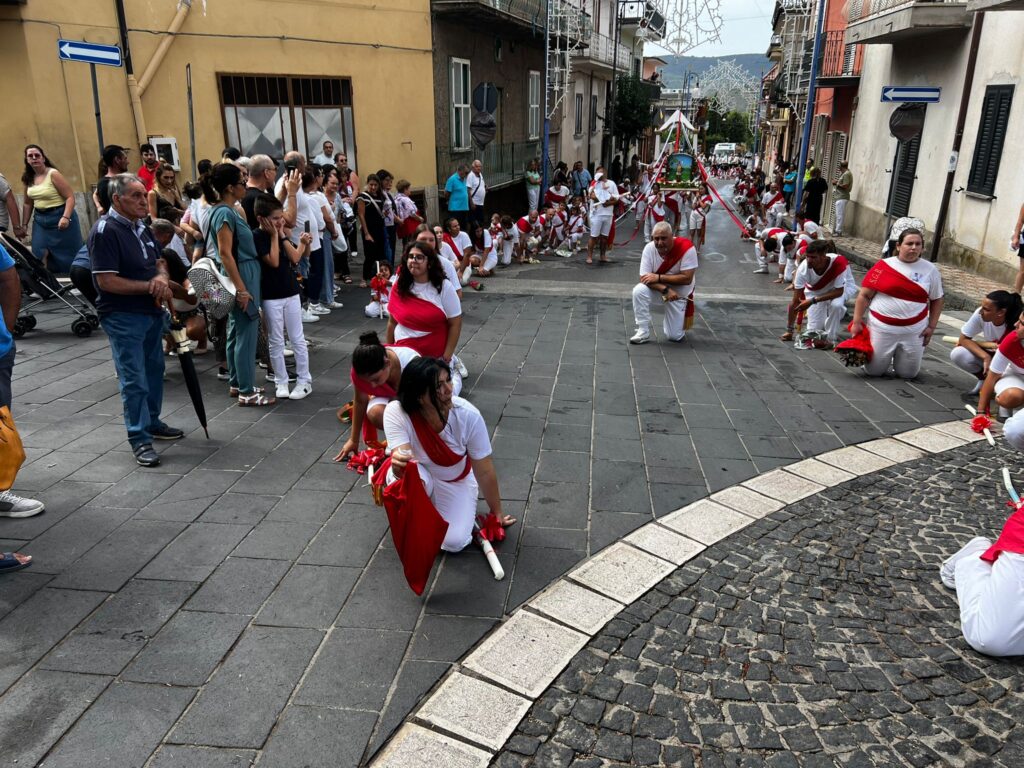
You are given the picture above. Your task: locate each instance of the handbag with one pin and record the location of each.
(215, 291)
(12, 453)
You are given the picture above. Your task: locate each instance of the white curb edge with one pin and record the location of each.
(575, 607)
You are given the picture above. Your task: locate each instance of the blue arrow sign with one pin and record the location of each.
(893, 93)
(90, 53)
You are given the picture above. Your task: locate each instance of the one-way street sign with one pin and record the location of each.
(90, 53)
(893, 93)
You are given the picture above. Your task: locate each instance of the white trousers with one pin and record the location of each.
(283, 315)
(491, 261)
(903, 351)
(1013, 427)
(373, 309)
(991, 597)
(840, 215)
(963, 358)
(788, 265)
(507, 249)
(827, 316)
(764, 258)
(532, 198)
(675, 311)
(455, 502)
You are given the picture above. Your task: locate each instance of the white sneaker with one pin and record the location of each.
(16, 506)
(947, 571)
(335, 305)
(282, 392)
(309, 317)
(301, 390)
(761, 271)
(288, 352)
(640, 337)
(273, 377)
(319, 309)
(977, 387)
(461, 368)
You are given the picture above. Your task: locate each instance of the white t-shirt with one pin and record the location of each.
(464, 433)
(477, 188)
(303, 213)
(975, 325)
(1001, 364)
(447, 299)
(922, 272)
(462, 241)
(805, 277)
(650, 260)
(450, 271)
(488, 246)
(323, 159)
(604, 190)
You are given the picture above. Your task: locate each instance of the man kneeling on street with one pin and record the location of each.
(133, 285)
(823, 283)
(667, 267)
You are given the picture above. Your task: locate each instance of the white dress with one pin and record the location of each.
(465, 433)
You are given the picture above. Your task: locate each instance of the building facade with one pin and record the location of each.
(278, 81)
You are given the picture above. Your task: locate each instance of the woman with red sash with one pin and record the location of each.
(426, 314)
(376, 373)
(447, 438)
(989, 583)
(899, 302)
(460, 243)
(1005, 380)
(993, 321)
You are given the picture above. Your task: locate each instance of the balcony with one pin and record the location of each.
(891, 21)
(567, 19)
(995, 5)
(774, 52)
(840, 63)
(602, 54)
(645, 15)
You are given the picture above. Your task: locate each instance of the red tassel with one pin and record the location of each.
(980, 423)
(361, 461)
(491, 528)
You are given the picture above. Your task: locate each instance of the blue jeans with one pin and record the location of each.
(136, 343)
(6, 369)
(327, 287)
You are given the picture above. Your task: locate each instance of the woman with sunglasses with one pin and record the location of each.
(56, 235)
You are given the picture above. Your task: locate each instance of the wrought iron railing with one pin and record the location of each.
(531, 12)
(839, 59)
(602, 48)
(502, 163)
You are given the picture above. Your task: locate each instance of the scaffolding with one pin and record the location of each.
(568, 32)
(797, 34)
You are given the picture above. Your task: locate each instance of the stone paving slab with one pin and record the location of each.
(594, 439)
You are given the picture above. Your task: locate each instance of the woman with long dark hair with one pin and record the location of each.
(56, 235)
(165, 198)
(993, 320)
(229, 242)
(425, 312)
(447, 438)
(370, 209)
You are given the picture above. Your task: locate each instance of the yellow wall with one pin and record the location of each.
(48, 102)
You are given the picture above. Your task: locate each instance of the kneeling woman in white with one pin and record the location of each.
(989, 583)
(446, 436)
(996, 316)
(1005, 380)
(900, 301)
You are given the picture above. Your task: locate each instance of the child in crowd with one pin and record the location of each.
(577, 225)
(406, 213)
(509, 241)
(380, 289)
(281, 302)
(655, 211)
(485, 256)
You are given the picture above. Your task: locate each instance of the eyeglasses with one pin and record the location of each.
(416, 257)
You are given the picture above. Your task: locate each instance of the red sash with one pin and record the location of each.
(451, 244)
(679, 248)
(524, 224)
(652, 212)
(884, 279)
(437, 449)
(551, 197)
(835, 269)
(384, 390)
(1011, 539)
(672, 203)
(778, 197)
(419, 315)
(1012, 350)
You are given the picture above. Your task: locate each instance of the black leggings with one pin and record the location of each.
(81, 278)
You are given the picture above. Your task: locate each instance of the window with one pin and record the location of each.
(533, 100)
(272, 115)
(593, 113)
(460, 84)
(578, 124)
(988, 149)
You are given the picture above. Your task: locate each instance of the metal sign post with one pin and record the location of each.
(91, 54)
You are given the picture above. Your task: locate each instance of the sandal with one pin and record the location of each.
(344, 413)
(347, 280)
(363, 284)
(787, 336)
(256, 399)
(233, 391)
(14, 561)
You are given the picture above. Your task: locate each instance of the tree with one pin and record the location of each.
(633, 110)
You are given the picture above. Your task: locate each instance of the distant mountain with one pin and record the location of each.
(676, 66)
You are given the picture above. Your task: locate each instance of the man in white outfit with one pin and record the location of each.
(604, 194)
(823, 283)
(477, 188)
(667, 268)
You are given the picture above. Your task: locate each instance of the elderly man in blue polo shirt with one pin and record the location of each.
(457, 196)
(133, 286)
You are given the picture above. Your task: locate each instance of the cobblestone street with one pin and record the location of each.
(818, 636)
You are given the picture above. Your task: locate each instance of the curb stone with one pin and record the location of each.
(471, 711)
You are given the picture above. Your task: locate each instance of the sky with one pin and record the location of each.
(746, 27)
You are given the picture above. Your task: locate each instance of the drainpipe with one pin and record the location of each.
(154, 64)
(133, 86)
(958, 135)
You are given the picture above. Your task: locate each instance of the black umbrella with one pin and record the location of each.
(188, 370)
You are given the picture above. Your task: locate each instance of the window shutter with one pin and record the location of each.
(988, 147)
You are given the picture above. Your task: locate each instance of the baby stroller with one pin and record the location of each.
(38, 285)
